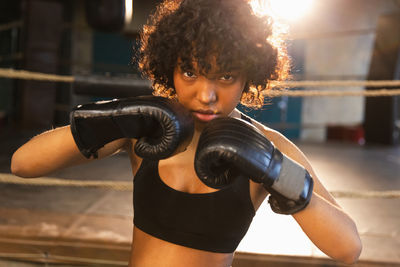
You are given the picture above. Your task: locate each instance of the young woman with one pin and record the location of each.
(206, 55)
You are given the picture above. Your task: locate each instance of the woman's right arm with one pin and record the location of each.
(53, 150)
(95, 125)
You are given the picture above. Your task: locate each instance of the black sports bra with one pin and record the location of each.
(214, 221)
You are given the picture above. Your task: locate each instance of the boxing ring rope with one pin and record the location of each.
(338, 83)
(28, 75)
(127, 186)
(45, 258)
(311, 93)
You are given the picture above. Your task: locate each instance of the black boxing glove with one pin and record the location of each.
(231, 147)
(163, 127)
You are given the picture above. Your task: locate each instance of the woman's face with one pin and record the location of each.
(211, 96)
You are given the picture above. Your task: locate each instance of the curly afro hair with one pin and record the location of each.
(186, 31)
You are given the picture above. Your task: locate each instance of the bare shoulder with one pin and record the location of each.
(278, 139)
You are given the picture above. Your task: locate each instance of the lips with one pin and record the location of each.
(205, 114)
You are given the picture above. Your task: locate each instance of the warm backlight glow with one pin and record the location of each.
(282, 9)
(275, 234)
(128, 11)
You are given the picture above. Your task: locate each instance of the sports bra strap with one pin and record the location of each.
(245, 117)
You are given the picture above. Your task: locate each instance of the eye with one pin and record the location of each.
(189, 74)
(227, 77)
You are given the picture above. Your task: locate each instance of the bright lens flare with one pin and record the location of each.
(288, 10)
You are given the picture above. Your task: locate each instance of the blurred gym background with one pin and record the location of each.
(94, 41)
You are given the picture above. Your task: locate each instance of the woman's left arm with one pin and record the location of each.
(327, 225)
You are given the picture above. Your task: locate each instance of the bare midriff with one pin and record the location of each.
(148, 251)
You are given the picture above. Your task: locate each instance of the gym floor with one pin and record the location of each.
(53, 225)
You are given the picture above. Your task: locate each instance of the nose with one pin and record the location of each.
(207, 92)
